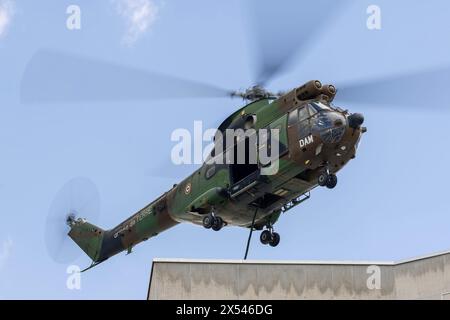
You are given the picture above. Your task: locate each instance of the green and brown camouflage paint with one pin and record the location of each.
(202, 191)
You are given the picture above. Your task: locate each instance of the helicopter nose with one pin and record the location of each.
(355, 120)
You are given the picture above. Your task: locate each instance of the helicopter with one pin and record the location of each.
(316, 139)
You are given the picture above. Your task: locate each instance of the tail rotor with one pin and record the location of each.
(77, 199)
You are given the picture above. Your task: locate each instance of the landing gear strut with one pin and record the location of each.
(270, 237)
(327, 179)
(211, 221)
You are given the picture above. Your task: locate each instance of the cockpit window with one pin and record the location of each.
(312, 110)
(319, 106)
(303, 113)
(322, 122)
(329, 125)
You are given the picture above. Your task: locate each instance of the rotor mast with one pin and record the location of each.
(255, 93)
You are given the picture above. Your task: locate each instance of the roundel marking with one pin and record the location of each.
(188, 188)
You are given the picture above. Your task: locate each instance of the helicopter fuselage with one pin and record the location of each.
(314, 139)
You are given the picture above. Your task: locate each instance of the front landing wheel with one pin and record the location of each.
(322, 179)
(217, 223)
(331, 181)
(207, 221)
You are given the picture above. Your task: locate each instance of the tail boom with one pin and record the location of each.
(99, 244)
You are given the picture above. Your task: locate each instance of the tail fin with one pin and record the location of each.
(88, 237)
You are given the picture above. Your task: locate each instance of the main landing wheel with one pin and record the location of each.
(270, 238)
(327, 180)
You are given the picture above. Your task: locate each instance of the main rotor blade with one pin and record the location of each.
(53, 76)
(279, 30)
(419, 89)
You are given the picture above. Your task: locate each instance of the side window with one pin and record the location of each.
(304, 127)
(312, 110)
(303, 114)
(293, 118)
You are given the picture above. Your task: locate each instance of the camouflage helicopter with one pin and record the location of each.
(316, 139)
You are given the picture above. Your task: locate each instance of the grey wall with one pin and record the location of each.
(422, 278)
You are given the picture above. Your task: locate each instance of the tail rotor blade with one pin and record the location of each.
(78, 198)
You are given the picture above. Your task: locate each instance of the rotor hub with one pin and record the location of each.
(255, 93)
(71, 219)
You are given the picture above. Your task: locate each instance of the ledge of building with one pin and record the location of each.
(424, 277)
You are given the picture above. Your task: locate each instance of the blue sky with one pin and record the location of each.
(390, 203)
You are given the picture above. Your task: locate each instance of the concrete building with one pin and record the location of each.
(420, 278)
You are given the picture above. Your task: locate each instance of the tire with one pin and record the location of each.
(275, 240)
(265, 237)
(207, 222)
(322, 179)
(217, 223)
(331, 181)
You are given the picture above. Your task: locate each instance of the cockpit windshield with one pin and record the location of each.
(329, 125)
(320, 106)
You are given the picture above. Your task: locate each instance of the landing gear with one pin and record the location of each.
(327, 179)
(265, 237)
(331, 181)
(322, 180)
(275, 240)
(270, 237)
(211, 221)
(217, 223)
(207, 221)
